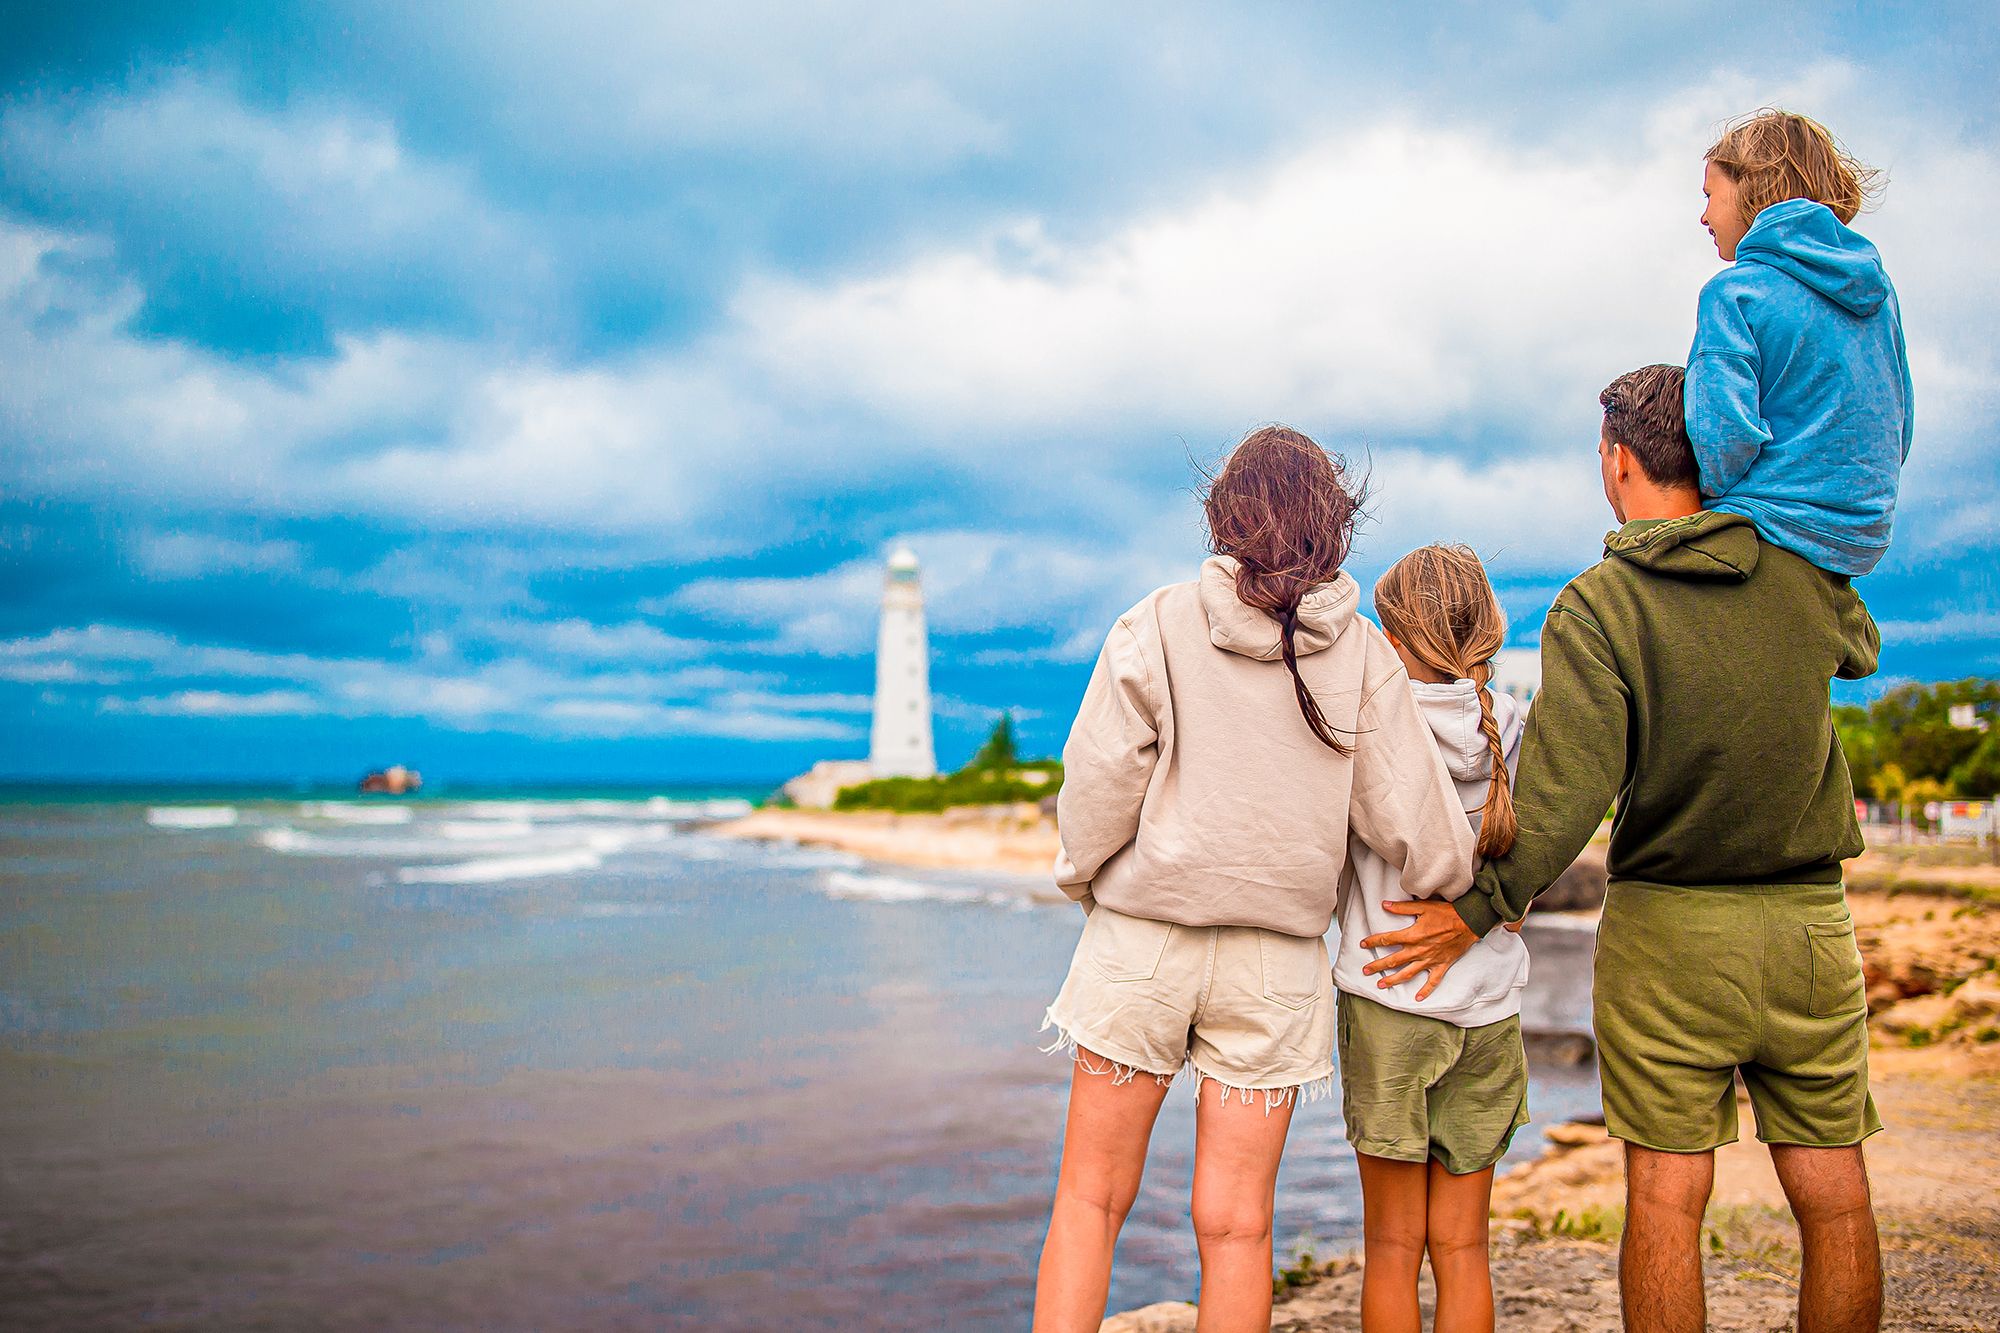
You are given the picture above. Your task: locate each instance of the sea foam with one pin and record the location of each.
(879, 888)
(497, 869)
(585, 852)
(192, 816)
(355, 812)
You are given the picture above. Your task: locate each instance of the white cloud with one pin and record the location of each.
(311, 201)
(1438, 299)
(536, 696)
(1947, 627)
(217, 703)
(975, 583)
(188, 555)
(1402, 280)
(629, 641)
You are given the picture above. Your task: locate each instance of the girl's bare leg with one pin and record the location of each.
(1458, 1248)
(1236, 1150)
(1395, 1211)
(1103, 1158)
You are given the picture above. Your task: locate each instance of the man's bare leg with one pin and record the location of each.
(1659, 1259)
(1840, 1281)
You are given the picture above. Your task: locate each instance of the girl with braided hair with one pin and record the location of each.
(1434, 1076)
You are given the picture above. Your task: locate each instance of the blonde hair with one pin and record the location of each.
(1775, 155)
(1438, 604)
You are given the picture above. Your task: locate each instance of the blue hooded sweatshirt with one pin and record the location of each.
(1798, 389)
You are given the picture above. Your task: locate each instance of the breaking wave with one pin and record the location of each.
(498, 869)
(356, 812)
(879, 888)
(586, 853)
(192, 816)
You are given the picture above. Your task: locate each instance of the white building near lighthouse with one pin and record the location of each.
(899, 744)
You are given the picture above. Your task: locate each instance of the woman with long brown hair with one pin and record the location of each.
(1236, 732)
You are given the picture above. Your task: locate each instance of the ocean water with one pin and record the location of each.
(539, 1063)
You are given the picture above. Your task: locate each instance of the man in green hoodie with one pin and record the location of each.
(1685, 679)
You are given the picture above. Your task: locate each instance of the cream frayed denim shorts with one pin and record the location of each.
(1251, 1009)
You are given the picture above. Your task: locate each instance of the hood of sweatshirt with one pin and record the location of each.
(1324, 613)
(1451, 709)
(1708, 547)
(1807, 241)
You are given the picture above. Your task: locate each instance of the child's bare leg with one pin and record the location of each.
(1103, 1158)
(1395, 1210)
(1237, 1145)
(1458, 1247)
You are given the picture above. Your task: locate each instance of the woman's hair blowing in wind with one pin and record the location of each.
(1440, 608)
(1281, 507)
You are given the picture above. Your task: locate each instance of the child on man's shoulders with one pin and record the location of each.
(1798, 386)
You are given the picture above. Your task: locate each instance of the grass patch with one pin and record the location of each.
(1297, 1273)
(1304, 1269)
(1595, 1223)
(966, 787)
(1753, 1235)
(1592, 1223)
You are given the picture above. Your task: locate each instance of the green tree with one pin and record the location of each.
(1978, 775)
(1911, 727)
(1888, 782)
(1860, 742)
(998, 754)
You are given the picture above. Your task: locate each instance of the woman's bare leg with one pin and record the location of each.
(1395, 1211)
(1103, 1159)
(1237, 1146)
(1458, 1246)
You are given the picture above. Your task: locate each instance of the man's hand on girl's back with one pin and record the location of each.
(1437, 938)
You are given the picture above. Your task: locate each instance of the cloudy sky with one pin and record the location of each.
(531, 390)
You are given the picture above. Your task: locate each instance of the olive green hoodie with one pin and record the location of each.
(1684, 678)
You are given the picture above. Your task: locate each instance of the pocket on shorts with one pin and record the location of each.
(1126, 948)
(1296, 971)
(1837, 984)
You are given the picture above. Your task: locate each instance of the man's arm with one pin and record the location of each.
(1860, 639)
(1573, 762)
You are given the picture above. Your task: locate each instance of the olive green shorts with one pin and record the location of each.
(1693, 985)
(1413, 1088)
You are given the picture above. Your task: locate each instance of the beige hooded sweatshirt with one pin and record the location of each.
(1194, 791)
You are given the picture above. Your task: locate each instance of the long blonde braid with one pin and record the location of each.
(1437, 602)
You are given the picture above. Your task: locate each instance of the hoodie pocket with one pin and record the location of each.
(1296, 971)
(1837, 984)
(1125, 948)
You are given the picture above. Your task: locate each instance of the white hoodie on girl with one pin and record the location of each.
(1485, 985)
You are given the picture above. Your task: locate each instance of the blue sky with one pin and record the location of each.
(530, 391)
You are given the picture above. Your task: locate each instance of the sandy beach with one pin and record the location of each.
(1930, 940)
(1015, 839)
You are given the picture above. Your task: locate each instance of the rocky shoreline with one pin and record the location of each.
(1929, 930)
(1935, 1002)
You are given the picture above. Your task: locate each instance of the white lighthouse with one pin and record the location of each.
(899, 745)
